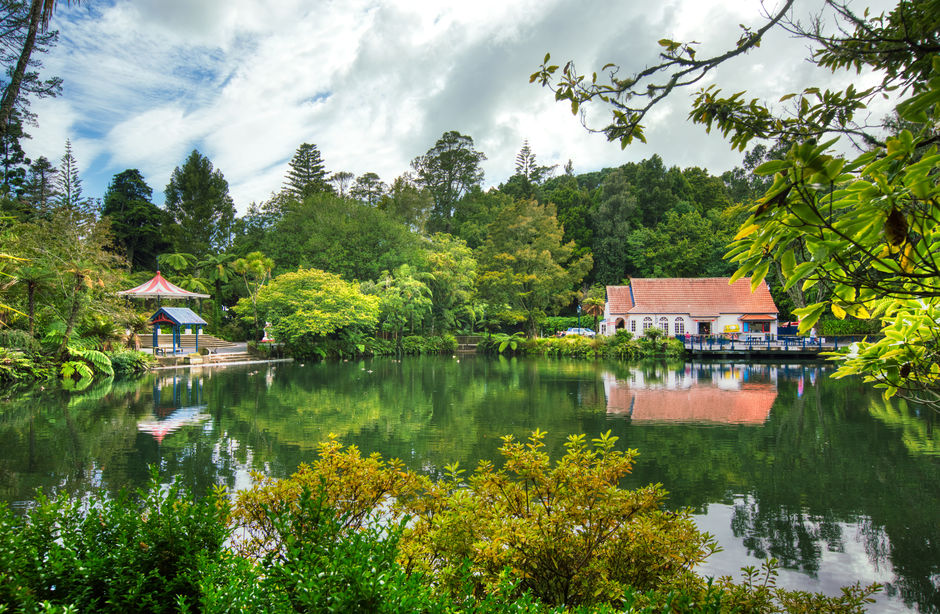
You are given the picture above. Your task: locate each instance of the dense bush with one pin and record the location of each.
(17, 366)
(354, 533)
(553, 324)
(848, 326)
(128, 554)
(621, 345)
(19, 340)
(129, 361)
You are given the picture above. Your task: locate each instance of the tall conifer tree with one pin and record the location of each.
(307, 174)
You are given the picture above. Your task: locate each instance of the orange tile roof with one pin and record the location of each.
(706, 296)
(749, 405)
(619, 299)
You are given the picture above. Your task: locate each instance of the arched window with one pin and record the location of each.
(664, 324)
(680, 326)
(647, 323)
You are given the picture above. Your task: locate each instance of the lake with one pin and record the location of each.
(775, 460)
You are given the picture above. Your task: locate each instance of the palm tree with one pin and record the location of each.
(40, 14)
(33, 277)
(217, 270)
(593, 301)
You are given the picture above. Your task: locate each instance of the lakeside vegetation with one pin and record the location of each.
(358, 533)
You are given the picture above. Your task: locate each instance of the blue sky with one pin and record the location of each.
(373, 83)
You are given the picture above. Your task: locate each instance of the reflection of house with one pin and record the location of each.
(682, 306)
(687, 400)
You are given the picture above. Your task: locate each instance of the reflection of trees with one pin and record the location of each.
(819, 460)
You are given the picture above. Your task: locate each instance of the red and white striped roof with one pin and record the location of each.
(160, 287)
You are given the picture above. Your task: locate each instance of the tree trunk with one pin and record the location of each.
(73, 313)
(13, 89)
(31, 305)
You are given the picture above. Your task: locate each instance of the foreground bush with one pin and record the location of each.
(354, 533)
(120, 555)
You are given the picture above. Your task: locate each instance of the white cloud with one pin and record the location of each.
(372, 82)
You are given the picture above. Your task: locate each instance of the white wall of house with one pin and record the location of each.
(688, 325)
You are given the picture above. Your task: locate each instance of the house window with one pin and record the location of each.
(632, 326)
(680, 326)
(647, 323)
(664, 324)
(759, 327)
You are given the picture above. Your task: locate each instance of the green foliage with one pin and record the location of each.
(341, 236)
(553, 324)
(16, 366)
(18, 340)
(199, 204)
(566, 529)
(414, 344)
(523, 263)
(129, 361)
(128, 554)
(309, 306)
(448, 171)
(356, 533)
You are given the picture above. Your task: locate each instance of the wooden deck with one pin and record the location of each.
(780, 347)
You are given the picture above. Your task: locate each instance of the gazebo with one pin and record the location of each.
(158, 287)
(178, 318)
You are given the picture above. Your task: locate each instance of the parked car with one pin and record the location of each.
(583, 332)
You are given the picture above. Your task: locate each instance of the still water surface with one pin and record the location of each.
(775, 460)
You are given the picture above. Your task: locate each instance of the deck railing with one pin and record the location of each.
(758, 342)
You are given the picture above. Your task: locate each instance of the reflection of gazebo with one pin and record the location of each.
(184, 407)
(158, 287)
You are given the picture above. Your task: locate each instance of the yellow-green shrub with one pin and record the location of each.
(567, 531)
(356, 487)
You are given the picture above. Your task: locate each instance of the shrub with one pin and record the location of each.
(123, 555)
(16, 366)
(568, 532)
(356, 487)
(19, 340)
(413, 345)
(129, 361)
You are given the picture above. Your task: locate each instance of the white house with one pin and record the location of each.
(695, 306)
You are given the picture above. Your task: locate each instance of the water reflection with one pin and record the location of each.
(720, 393)
(778, 460)
(183, 406)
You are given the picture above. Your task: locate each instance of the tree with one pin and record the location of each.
(24, 31)
(593, 300)
(865, 226)
(453, 272)
(255, 269)
(344, 237)
(138, 225)
(368, 188)
(306, 174)
(216, 268)
(40, 189)
(407, 202)
(341, 181)
(524, 264)
(197, 200)
(448, 171)
(309, 305)
(13, 160)
(69, 183)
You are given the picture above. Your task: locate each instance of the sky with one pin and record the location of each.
(374, 83)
